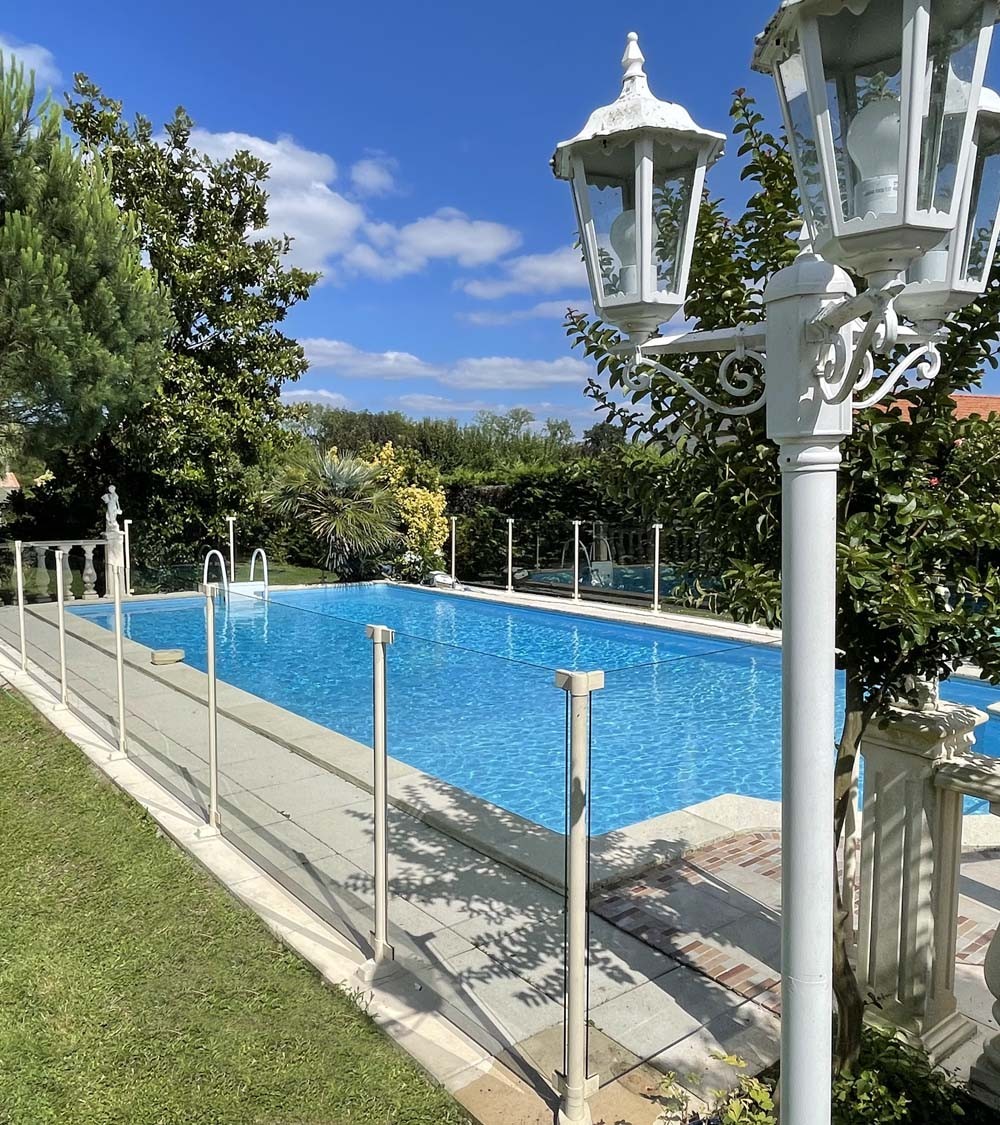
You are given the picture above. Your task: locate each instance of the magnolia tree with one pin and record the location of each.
(919, 522)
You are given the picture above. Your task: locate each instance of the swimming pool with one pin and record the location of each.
(472, 701)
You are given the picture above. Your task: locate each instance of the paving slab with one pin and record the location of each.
(658, 1014)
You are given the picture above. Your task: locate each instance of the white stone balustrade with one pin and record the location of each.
(39, 581)
(918, 764)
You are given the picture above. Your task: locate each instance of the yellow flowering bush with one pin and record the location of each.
(421, 503)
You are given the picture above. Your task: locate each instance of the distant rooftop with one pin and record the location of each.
(968, 406)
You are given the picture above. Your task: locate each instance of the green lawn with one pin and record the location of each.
(134, 990)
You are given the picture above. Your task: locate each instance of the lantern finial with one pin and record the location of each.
(634, 78)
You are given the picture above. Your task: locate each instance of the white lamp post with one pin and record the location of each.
(880, 99)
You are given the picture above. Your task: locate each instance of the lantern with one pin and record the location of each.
(880, 99)
(955, 274)
(637, 170)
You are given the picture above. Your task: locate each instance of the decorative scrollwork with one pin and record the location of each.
(733, 378)
(926, 370)
(842, 374)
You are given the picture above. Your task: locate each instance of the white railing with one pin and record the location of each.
(215, 553)
(40, 582)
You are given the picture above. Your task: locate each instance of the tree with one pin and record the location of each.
(919, 526)
(82, 320)
(203, 444)
(602, 437)
(343, 503)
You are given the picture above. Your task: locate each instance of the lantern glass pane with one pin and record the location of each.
(671, 206)
(612, 208)
(791, 77)
(983, 212)
(951, 59)
(862, 67)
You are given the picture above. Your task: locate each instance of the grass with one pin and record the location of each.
(134, 989)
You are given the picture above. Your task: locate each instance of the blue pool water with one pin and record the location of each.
(472, 699)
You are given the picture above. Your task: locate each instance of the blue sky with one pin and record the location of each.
(409, 147)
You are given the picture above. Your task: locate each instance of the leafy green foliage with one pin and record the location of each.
(344, 505)
(894, 1084)
(205, 442)
(82, 320)
(491, 441)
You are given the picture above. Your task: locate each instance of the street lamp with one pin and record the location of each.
(956, 273)
(637, 169)
(880, 98)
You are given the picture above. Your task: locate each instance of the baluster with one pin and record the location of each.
(41, 576)
(89, 573)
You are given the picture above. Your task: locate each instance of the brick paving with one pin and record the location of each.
(746, 868)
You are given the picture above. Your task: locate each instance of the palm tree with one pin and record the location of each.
(341, 502)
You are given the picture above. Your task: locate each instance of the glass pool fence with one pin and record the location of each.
(443, 849)
(593, 560)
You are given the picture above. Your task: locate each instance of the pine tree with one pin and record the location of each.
(82, 320)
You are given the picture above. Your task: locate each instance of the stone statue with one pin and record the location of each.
(110, 499)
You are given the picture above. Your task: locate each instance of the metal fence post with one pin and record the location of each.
(61, 601)
(576, 560)
(116, 582)
(510, 555)
(657, 527)
(453, 524)
(19, 580)
(382, 951)
(214, 821)
(231, 520)
(126, 527)
(574, 1084)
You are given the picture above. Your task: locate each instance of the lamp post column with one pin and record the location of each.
(808, 430)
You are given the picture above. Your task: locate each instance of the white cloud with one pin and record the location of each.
(447, 234)
(502, 372)
(374, 174)
(34, 57)
(438, 404)
(347, 360)
(324, 398)
(334, 233)
(321, 221)
(532, 273)
(544, 310)
(481, 373)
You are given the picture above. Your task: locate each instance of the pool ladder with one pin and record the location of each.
(253, 588)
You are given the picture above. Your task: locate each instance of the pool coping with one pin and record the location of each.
(616, 856)
(529, 848)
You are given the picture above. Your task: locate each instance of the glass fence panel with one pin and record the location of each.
(481, 550)
(280, 571)
(478, 741)
(543, 556)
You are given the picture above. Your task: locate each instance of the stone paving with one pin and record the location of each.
(695, 911)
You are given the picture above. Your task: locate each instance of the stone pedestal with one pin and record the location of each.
(910, 854)
(114, 555)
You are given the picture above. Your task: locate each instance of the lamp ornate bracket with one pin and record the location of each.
(842, 373)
